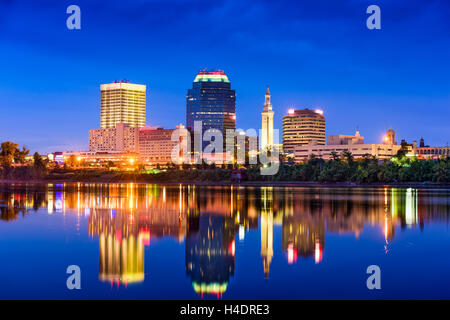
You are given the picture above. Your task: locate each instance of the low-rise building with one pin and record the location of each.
(156, 144)
(121, 138)
(341, 139)
(91, 158)
(379, 151)
(340, 143)
(433, 152)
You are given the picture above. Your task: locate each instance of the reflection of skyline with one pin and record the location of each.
(266, 228)
(210, 250)
(121, 246)
(125, 217)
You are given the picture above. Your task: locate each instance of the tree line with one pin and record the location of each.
(14, 164)
(340, 168)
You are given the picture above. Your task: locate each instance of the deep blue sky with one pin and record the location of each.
(312, 54)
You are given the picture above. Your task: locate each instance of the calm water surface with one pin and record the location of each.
(146, 241)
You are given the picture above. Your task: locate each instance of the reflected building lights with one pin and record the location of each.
(266, 229)
(411, 207)
(125, 218)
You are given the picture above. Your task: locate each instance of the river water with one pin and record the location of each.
(147, 241)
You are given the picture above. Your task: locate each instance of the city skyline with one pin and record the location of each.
(327, 59)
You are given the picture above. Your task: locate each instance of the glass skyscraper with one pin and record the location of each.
(212, 101)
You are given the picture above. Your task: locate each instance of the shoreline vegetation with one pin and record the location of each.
(445, 185)
(341, 170)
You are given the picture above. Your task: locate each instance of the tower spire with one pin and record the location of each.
(267, 104)
(267, 123)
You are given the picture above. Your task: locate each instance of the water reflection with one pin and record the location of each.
(210, 252)
(124, 218)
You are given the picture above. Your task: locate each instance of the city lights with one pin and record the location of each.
(318, 111)
(334, 184)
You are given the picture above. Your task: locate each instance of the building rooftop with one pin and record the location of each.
(211, 76)
(122, 85)
(305, 111)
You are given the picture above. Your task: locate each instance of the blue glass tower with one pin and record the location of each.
(212, 101)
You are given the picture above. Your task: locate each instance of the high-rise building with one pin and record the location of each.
(301, 127)
(212, 101)
(122, 102)
(267, 123)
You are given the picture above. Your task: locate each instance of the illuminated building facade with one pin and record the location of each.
(156, 145)
(122, 102)
(433, 152)
(301, 127)
(91, 158)
(267, 123)
(121, 138)
(341, 139)
(390, 137)
(379, 151)
(340, 143)
(212, 101)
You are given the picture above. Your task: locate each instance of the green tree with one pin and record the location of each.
(441, 171)
(335, 156)
(39, 161)
(348, 156)
(8, 152)
(20, 155)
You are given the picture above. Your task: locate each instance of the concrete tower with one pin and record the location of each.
(267, 123)
(390, 137)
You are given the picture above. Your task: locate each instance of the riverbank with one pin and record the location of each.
(241, 183)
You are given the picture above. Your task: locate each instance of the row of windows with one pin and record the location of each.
(434, 151)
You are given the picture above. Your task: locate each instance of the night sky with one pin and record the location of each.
(316, 54)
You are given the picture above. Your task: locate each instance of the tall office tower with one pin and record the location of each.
(212, 101)
(122, 102)
(302, 127)
(267, 123)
